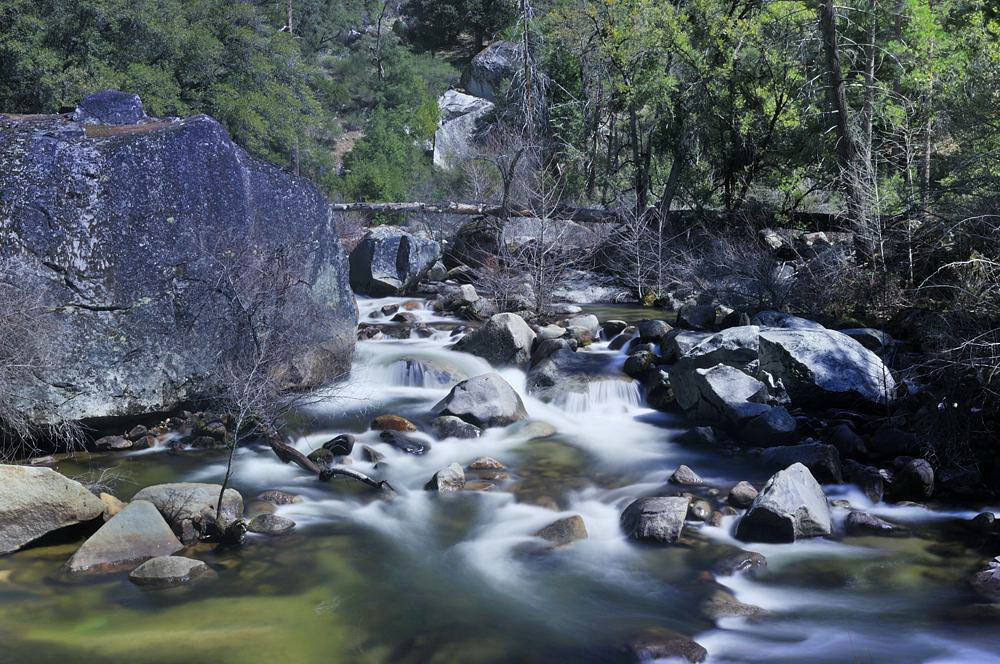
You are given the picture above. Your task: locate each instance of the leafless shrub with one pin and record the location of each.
(29, 335)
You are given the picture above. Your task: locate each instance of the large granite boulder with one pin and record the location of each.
(504, 340)
(37, 501)
(188, 506)
(454, 140)
(655, 519)
(780, 319)
(734, 347)
(825, 368)
(791, 506)
(484, 401)
(122, 225)
(129, 538)
(491, 69)
(389, 260)
(720, 394)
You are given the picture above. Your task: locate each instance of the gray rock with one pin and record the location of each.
(185, 505)
(105, 443)
(455, 138)
(986, 582)
(110, 107)
(696, 316)
(484, 401)
(389, 260)
(721, 603)
(549, 346)
(586, 321)
(867, 478)
(36, 501)
(685, 477)
(740, 562)
(447, 480)
(491, 68)
(132, 536)
(823, 461)
(564, 531)
(659, 643)
(655, 519)
(782, 320)
(872, 339)
(168, 571)
(456, 297)
(114, 229)
(775, 426)
(734, 347)
(505, 340)
(848, 443)
(791, 506)
(449, 426)
(742, 495)
(550, 332)
(676, 343)
(405, 442)
(270, 524)
(914, 481)
(453, 104)
(652, 329)
(637, 364)
(612, 328)
(863, 523)
(825, 368)
(720, 394)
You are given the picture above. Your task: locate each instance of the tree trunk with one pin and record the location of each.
(838, 94)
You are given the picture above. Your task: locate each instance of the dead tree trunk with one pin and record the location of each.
(561, 212)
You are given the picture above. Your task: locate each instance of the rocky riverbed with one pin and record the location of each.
(540, 511)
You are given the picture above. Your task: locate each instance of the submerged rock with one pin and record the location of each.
(986, 582)
(168, 572)
(132, 536)
(37, 501)
(114, 225)
(655, 519)
(564, 531)
(270, 524)
(791, 506)
(484, 401)
(740, 562)
(863, 523)
(659, 643)
(504, 340)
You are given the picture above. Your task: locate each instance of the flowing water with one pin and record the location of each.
(428, 578)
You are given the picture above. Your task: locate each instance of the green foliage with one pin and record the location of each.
(440, 24)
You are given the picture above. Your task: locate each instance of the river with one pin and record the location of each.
(428, 578)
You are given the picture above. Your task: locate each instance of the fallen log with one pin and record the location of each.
(561, 212)
(289, 454)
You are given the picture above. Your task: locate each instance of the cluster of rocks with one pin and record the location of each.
(140, 536)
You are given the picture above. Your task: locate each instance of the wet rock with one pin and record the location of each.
(322, 457)
(914, 481)
(741, 495)
(405, 317)
(401, 441)
(449, 426)
(144, 442)
(393, 423)
(549, 346)
(720, 394)
(486, 463)
(389, 260)
(389, 309)
(484, 401)
(564, 372)
(132, 536)
(740, 562)
(735, 347)
(791, 506)
(137, 432)
(655, 519)
(371, 455)
(532, 429)
(775, 426)
(863, 523)
(651, 330)
(187, 506)
(782, 320)
(825, 368)
(685, 476)
(983, 522)
(504, 340)
(612, 328)
(986, 582)
(564, 531)
(447, 480)
(278, 497)
(721, 603)
(636, 365)
(341, 445)
(866, 478)
(257, 507)
(270, 524)
(659, 643)
(112, 505)
(36, 501)
(823, 461)
(112, 443)
(169, 571)
(699, 509)
(550, 332)
(696, 317)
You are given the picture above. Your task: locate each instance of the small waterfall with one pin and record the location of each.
(414, 373)
(604, 396)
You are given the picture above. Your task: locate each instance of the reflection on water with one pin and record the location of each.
(424, 578)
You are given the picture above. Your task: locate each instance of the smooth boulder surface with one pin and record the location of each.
(168, 571)
(483, 401)
(655, 519)
(825, 368)
(504, 340)
(720, 394)
(734, 347)
(119, 228)
(38, 501)
(389, 260)
(270, 524)
(132, 536)
(447, 480)
(185, 504)
(455, 137)
(780, 319)
(791, 506)
(491, 68)
(564, 531)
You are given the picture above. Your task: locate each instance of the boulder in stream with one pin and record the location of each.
(37, 501)
(132, 536)
(655, 519)
(447, 480)
(823, 461)
(863, 523)
(504, 340)
(484, 401)
(720, 394)
(187, 506)
(169, 571)
(270, 524)
(564, 531)
(791, 506)
(986, 582)
(389, 260)
(660, 643)
(449, 426)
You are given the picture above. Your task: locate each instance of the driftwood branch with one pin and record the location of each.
(289, 454)
(562, 212)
